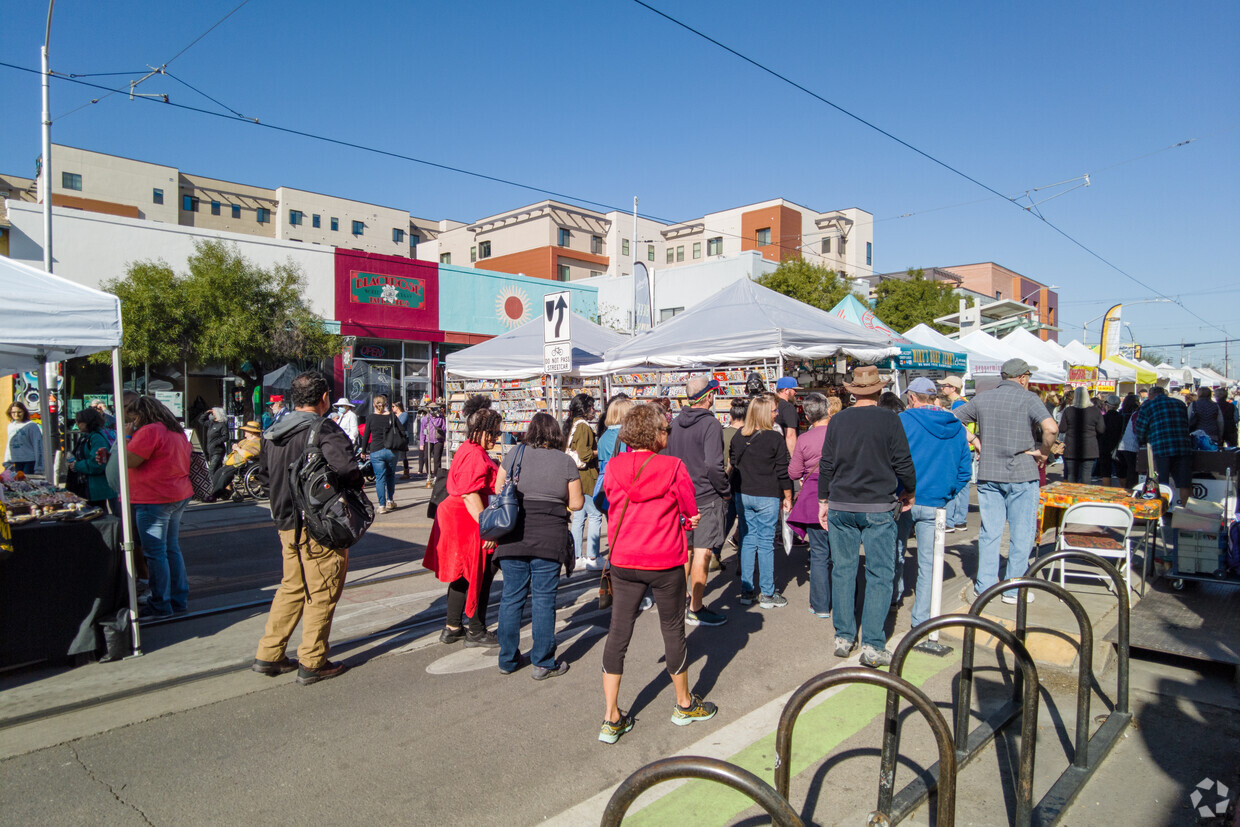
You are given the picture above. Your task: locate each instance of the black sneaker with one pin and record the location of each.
(541, 673)
(271, 668)
(451, 635)
(305, 676)
(612, 730)
(697, 710)
(523, 660)
(748, 598)
(704, 617)
(481, 640)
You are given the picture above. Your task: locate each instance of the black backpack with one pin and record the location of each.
(332, 516)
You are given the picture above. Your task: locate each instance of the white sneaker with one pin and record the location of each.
(597, 564)
(1010, 597)
(646, 603)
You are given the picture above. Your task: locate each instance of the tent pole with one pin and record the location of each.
(47, 422)
(118, 403)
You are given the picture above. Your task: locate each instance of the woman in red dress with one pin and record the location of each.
(455, 551)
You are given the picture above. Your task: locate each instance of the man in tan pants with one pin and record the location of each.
(313, 574)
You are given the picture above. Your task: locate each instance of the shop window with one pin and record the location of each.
(763, 236)
(71, 181)
(157, 196)
(714, 246)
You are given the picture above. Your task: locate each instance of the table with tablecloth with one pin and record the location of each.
(1055, 499)
(59, 582)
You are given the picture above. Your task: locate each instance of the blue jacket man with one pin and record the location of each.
(944, 466)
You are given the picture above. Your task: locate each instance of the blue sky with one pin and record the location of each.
(605, 100)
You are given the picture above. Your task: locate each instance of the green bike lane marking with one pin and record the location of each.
(819, 730)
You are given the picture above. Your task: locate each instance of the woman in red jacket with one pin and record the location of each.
(651, 506)
(455, 550)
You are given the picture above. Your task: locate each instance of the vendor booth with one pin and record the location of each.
(509, 368)
(917, 358)
(982, 369)
(58, 566)
(1052, 375)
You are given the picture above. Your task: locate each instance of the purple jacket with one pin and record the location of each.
(804, 467)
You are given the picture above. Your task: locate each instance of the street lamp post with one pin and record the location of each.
(1085, 326)
(45, 189)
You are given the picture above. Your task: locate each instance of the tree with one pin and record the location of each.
(812, 284)
(906, 303)
(157, 326)
(1154, 357)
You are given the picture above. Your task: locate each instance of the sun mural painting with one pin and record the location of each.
(512, 307)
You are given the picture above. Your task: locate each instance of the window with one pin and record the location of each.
(295, 217)
(565, 237)
(671, 255)
(564, 273)
(473, 254)
(595, 274)
(998, 294)
(189, 203)
(236, 210)
(335, 224)
(596, 245)
(445, 258)
(71, 181)
(869, 253)
(839, 247)
(398, 235)
(668, 312)
(714, 246)
(650, 252)
(359, 228)
(680, 253)
(826, 246)
(215, 207)
(157, 196)
(315, 221)
(414, 241)
(697, 249)
(763, 236)
(624, 246)
(484, 249)
(262, 215)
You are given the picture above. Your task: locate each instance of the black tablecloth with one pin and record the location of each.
(60, 580)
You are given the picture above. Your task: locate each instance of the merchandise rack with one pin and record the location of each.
(651, 384)
(517, 400)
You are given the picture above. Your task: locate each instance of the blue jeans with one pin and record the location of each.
(958, 508)
(1014, 503)
(849, 531)
(537, 579)
(919, 520)
(592, 520)
(758, 517)
(384, 463)
(819, 568)
(160, 527)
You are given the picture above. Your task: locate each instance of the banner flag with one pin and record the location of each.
(1111, 329)
(643, 314)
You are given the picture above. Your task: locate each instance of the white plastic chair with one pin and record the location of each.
(1093, 516)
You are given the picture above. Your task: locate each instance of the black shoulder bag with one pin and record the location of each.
(502, 512)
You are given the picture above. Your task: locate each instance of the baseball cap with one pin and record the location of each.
(923, 385)
(1016, 367)
(953, 380)
(785, 382)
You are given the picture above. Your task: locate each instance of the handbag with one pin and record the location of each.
(605, 595)
(397, 440)
(200, 477)
(501, 514)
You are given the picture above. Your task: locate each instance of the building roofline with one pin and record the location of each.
(113, 155)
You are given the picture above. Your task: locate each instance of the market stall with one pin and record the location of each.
(1049, 375)
(46, 319)
(509, 368)
(982, 369)
(916, 358)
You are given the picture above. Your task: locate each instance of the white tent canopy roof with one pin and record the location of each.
(996, 349)
(746, 321)
(1047, 355)
(518, 354)
(979, 363)
(46, 318)
(1079, 354)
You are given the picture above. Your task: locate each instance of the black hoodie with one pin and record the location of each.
(696, 439)
(283, 442)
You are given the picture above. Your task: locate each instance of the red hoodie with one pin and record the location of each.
(648, 510)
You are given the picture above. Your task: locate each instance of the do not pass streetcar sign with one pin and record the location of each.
(557, 319)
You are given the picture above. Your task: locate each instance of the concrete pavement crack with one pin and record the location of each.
(106, 785)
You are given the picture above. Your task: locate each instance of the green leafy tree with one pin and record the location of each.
(157, 325)
(812, 284)
(906, 303)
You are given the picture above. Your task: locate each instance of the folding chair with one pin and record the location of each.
(1104, 529)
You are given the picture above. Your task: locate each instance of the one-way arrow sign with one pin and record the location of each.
(557, 317)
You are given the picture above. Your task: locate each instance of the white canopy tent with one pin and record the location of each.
(1079, 354)
(980, 364)
(746, 321)
(46, 319)
(518, 354)
(1053, 374)
(1045, 354)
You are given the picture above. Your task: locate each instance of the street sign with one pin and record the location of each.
(557, 316)
(557, 357)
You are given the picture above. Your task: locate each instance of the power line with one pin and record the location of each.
(920, 152)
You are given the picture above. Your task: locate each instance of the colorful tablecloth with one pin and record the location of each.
(1058, 496)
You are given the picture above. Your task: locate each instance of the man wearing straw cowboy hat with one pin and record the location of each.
(1007, 472)
(865, 460)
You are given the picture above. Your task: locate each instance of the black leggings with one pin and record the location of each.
(457, 591)
(436, 459)
(628, 587)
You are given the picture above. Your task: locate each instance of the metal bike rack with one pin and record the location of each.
(707, 769)
(968, 745)
(1089, 752)
(894, 684)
